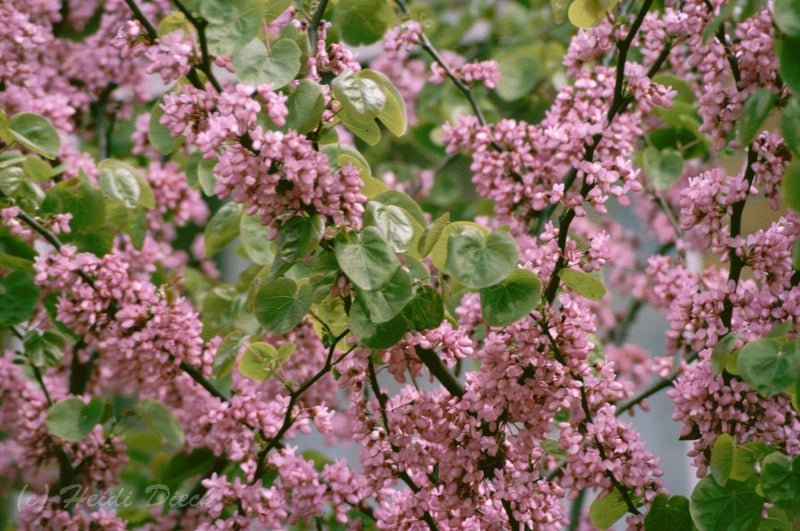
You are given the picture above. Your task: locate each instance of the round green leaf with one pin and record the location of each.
(425, 310)
(118, 181)
(72, 420)
(477, 261)
(787, 17)
(788, 50)
(306, 105)
(769, 366)
(519, 72)
(18, 297)
(259, 361)
(668, 514)
(361, 95)
(404, 201)
(790, 186)
(296, 239)
(582, 283)
(722, 458)
(253, 64)
(35, 133)
(162, 419)
(376, 335)
(512, 299)
(393, 222)
(367, 259)
(439, 250)
(255, 240)
(158, 134)
(324, 272)
(753, 114)
(37, 169)
(222, 228)
(226, 354)
(745, 457)
(281, 304)
(605, 511)
(790, 125)
(780, 480)
(393, 115)
(588, 13)
(383, 304)
(717, 508)
(432, 234)
(663, 168)
(362, 21)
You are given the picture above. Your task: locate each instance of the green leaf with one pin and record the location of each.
(36, 133)
(425, 310)
(306, 105)
(44, 349)
(16, 263)
(162, 419)
(790, 125)
(360, 95)
(376, 335)
(296, 239)
(745, 457)
(605, 511)
(118, 180)
(723, 353)
(588, 13)
(788, 50)
(173, 22)
(787, 17)
(260, 361)
(233, 24)
(254, 65)
(362, 21)
(582, 283)
(383, 304)
(479, 262)
(324, 272)
(367, 259)
(85, 203)
(439, 250)
(717, 508)
(158, 135)
(393, 223)
(18, 297)
(780, 480)
(393, 115)
(559, 10)
(255, 240)
(340, 154)
(722, 458)
(519, 72)
(769, 366)
(5, 132)
(227, 351)
(274, 9)
(222, 228)
(72, 420)
(755, 111)
(37, 169)
(397, 198)
(663, 168)
(205, 176)
(366, 129)
(668, 514)
(281, 304)
(432, 234)
(512, 299)
(790, 186)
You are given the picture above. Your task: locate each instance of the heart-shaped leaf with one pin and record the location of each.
(477, 261)
(281, 304)
(255, 65)
(392, 221)
(367, 259)
(383, 304)
(582, 283)
(512, 299)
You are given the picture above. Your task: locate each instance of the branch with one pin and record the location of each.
(316, 19)
(438, 370)
(200, 25)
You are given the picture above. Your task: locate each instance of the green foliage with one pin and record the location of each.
(663, 167)
(254, 237)
(425, 310)
(753, 114)
(668, 513)
(296, 239)
(362, 21)
(787, 17)
(280, 305)
(255, 65)
(479, 261)
(606, 510)
(788, 49)
(722, 458)
(35, 133)
(769, 365)
(222, 228)
(71, 419)
(120, 181)
(227, 351)
(393, 223)
(376, 335)
(780, 481)
(260, 361)
(158, 135)
(384, 304)
(582, 283)
(721, 508)
(306, 105)
(790, 125)
(366, 259)
(512, 299)
(161, 419)
(18, 297)
(589, 13)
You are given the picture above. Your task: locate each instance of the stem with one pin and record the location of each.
(438, 370)
(316, 19)
(152, 34)
(200, 25)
